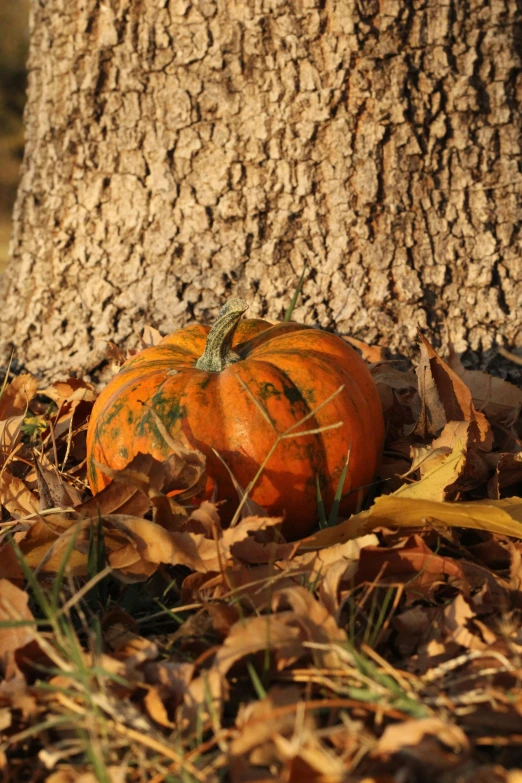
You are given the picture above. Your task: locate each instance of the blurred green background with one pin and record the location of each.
(13, 55)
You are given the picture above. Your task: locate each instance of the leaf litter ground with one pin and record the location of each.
(140, 641)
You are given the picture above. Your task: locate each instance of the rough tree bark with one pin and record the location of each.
(182, 150)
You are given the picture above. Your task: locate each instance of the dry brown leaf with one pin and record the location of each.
(385, 374)
(315, 620)
(9, 565)
(411, 732)
(74, 390)
(445, 398)
(116, 774)
(204, 519)
(171, 678)
(392, 470)
(446, 472)
(128, 646)
(284, 634)
(321, 561)
(413, 562)
(150, 336)
(118, 497)
(259, 721)
(456, 616)
(182, 474)
(156, 708)
(74, 399)
(328, 567)
(13, 608)
(212, 619)
(370, 353)
(45, 543)
(310, 761)
(17, 395)
(498, 399)
(508, 471)
(10, 433)
(275, 632)
(399, 397)
(115, 356)
(202, 700)
(415, 621)
(185, 466)
(71, 775)
(150, 542)
(52, 489)
(16, 497)
(252, 551)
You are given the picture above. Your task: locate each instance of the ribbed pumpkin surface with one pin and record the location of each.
(289, 370)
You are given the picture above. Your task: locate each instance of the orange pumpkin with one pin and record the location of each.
(233, 389)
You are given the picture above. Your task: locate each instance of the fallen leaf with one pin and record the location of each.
(318, 626)
(10, 433)
(438, 480)
(150, 336)
(258, 722)
(118, 497)
(115, 774)
(495, 516)
(16, 497)
(411, 732)
(156, 708)
(400, 399)
(456, 616)
(413, 562)
(500, 516)
(47, 540)
(370, 353)
(415, 621)
(275, 632)
(74, 390)
(508, 472)
(17, 395)
(52, 489)
(326, 568)
(9, 565)
(445, 398)
(14, 608)
(498, 399)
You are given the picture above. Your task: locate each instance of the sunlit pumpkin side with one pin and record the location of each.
(232, 389)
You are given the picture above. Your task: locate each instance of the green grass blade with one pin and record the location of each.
(299, 287)
(382, 617)
(171, 613)
(32, 581)
(256, 682)
(323, 522)
(58, 581)
(339, 491)
(96, 562)
(371, 615)
(102, 562)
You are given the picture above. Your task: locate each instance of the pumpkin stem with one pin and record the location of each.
(218, 349)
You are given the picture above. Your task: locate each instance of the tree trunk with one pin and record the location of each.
(178, 152)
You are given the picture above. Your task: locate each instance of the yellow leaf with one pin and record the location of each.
(495, 516)
(433, 484)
